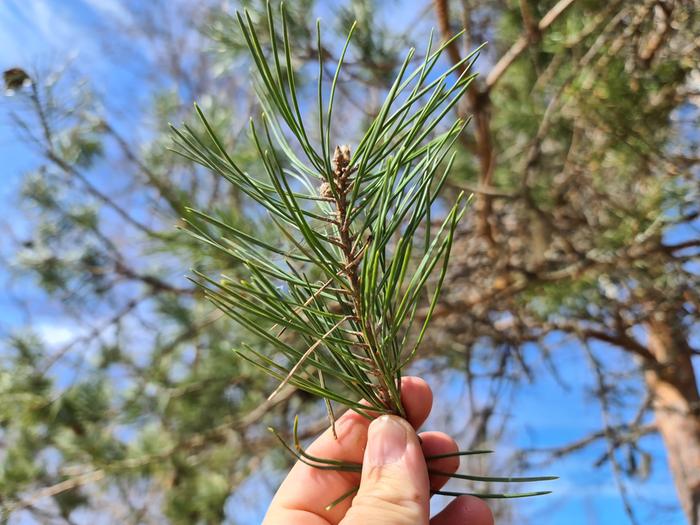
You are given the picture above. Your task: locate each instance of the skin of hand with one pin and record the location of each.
(394, 484)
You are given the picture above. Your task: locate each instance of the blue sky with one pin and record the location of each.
(34, 33)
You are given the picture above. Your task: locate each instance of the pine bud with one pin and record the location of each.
(325, 190)
(341, 158)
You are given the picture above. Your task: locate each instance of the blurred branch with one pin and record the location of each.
(191, 445)
(165, 191)
(91, 334)
(521, 44)
(53, 490)
(485, 190)
(49, 152)
(616, 339)
(621, 435)
(479, 106)
(99, 195)
(601, 392)
(154, 282)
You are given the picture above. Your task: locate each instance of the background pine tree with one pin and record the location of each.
(580, 250)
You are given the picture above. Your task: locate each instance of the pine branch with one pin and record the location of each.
(333, 298)
(339, 215)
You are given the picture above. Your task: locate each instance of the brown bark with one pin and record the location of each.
(479, 105)
(673, 384)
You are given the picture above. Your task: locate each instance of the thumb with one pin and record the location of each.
(394, 489)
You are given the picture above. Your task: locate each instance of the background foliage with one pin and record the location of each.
(576, 269)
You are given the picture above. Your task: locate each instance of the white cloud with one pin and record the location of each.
(56, 334)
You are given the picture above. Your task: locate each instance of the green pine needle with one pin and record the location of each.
(334, 298)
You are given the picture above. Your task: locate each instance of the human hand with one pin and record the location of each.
(394, 484)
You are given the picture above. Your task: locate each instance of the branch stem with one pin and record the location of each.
(343, 184)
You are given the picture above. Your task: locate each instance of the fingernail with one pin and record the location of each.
(386, 441)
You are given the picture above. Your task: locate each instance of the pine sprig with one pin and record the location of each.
(335, 298)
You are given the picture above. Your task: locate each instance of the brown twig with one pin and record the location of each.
(342, 183)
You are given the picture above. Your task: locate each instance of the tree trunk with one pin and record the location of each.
(672, 382)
